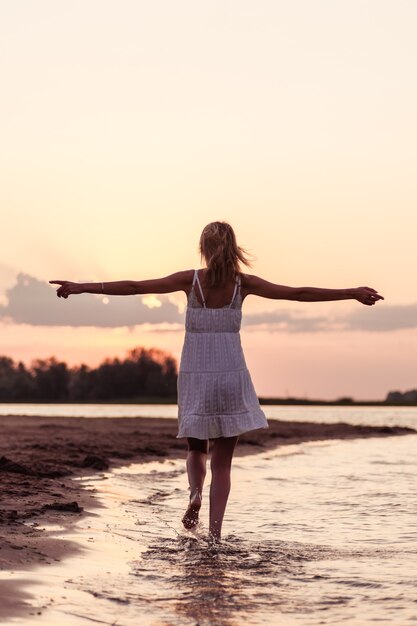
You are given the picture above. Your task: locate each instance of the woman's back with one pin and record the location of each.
(214, 296)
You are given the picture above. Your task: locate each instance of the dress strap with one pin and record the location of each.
(196, 278)
(237, 285)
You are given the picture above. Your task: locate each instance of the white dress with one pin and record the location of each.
(216, 397)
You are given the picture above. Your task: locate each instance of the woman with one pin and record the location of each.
(216, 398)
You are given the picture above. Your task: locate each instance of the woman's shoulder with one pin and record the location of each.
(248, 281)
(189, 277)
(181, 280)
(250, 284)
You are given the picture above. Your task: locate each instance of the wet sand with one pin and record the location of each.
(41, 458)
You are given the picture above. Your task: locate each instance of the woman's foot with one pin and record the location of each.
(213, 543)
(190, 519)
(214, 537)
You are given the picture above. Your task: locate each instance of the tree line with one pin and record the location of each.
(144, 373)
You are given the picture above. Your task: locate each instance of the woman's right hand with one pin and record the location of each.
(367, 295)
(67, 288)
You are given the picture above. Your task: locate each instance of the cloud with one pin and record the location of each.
(383, 318)
(7, 279)
(378, 318)
(285, 321)
(32, 301)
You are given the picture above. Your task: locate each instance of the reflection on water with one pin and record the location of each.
(230, 584)
(202, 581)
(316, 534)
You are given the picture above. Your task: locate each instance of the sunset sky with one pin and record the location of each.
(127, 126)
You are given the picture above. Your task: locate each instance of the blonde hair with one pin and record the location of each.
(223, 256)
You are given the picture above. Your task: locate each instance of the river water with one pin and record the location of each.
(321, 533)
(368, 415)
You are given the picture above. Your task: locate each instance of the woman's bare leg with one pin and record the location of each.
(221, 461)
(196, 469)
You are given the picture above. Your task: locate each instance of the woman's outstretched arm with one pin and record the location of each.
(260, 287)
(180, 281)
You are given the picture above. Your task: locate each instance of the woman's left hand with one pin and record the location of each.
(367, 295)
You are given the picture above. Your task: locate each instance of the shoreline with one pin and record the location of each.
(41, 456)
(262, 400)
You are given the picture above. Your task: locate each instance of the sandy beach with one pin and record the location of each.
(40, 458)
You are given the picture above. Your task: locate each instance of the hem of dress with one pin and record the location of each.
(215, 433)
